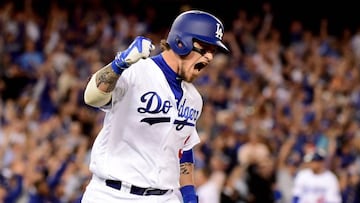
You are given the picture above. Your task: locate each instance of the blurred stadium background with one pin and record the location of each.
(291, 84)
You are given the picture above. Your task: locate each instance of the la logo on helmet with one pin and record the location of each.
(219, 32)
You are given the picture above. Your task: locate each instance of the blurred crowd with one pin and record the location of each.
(267, 103)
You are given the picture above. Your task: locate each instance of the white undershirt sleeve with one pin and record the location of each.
(93, 96)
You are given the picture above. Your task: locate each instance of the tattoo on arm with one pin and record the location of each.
(107, 78)
(184, 168)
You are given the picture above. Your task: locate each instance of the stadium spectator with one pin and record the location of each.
(316, 183)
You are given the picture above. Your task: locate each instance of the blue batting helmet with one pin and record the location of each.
(197, 25)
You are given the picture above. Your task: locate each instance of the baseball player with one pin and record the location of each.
(316, 184)
(144, 151)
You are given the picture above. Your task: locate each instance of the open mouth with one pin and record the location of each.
(200, 66)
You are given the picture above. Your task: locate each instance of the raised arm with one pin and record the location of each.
(102, 83)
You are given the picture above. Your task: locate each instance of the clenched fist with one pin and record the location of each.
(141, 47)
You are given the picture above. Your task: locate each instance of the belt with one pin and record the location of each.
(116, 184)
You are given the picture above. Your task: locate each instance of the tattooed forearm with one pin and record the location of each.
(106, 78)
(184, 168)
(186, 173)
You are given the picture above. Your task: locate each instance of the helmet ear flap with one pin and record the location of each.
(179, 43)
(182, 45)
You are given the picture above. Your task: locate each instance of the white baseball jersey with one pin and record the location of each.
(151, 119)
(316, 188)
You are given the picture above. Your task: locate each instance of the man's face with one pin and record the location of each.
(192, 65)
(317, 166)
